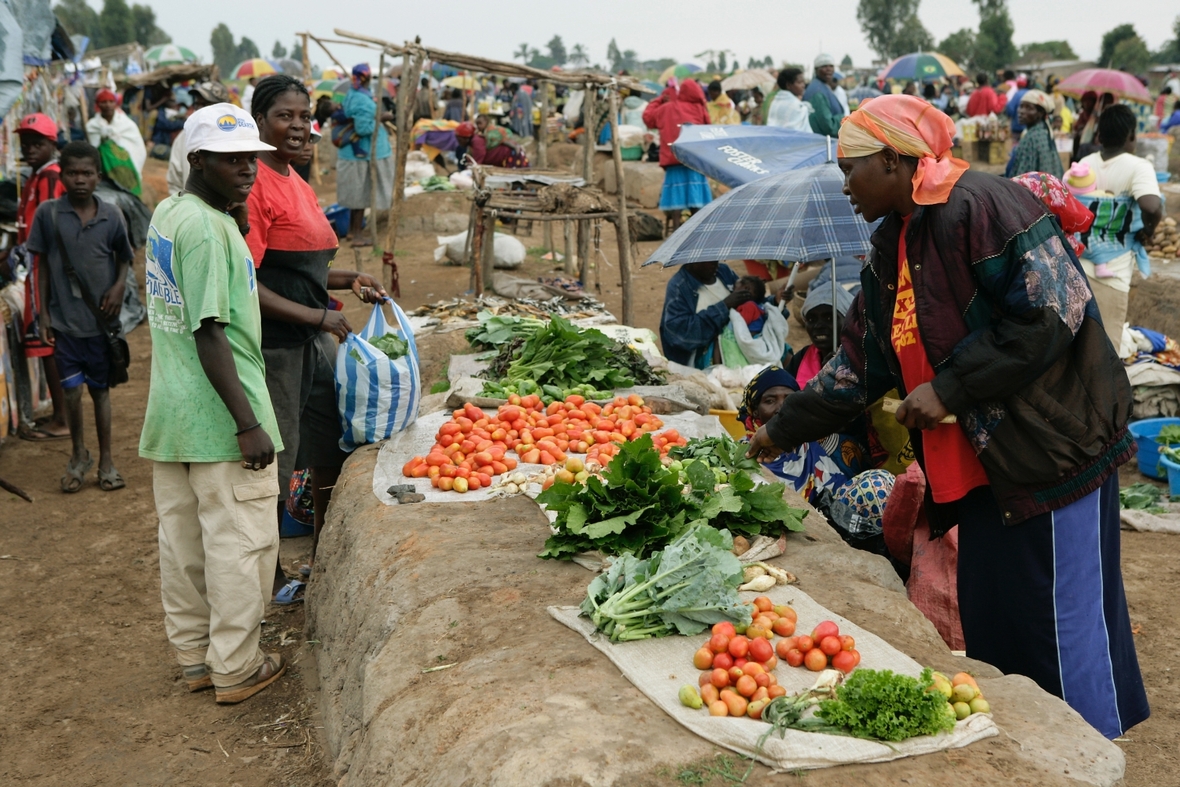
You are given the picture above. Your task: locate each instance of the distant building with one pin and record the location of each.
(1058, 68)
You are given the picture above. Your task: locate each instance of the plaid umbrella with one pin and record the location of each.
(793, 216)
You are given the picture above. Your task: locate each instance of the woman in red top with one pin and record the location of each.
(293, 245)
(683, 189)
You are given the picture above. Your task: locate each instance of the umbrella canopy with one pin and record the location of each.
(923, 66)
(735, 155)
(336, 88)
(649, 87)
(745, 80)
(1104, 80)
(169, 55)
(797, 215)
(863, 92)
(333, 73)
(285, 65)
(462, 82)
(682, 71)
(255, 67)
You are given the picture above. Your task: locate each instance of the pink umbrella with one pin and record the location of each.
(1104, 80)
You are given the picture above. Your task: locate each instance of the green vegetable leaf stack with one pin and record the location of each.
(885, 706)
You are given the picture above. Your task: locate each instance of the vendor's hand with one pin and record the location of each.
(112, 300)
(45, 331)
(239, 213)
(258, 450)
(762, 447)
(336, 324)
(368, 289)
(737, 298)
(922, 409)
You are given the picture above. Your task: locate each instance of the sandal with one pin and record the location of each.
(110, 480)
(305, 571)
(198, 678)
(271, 670)
(76, 474)
(37, 434)
(287, 594)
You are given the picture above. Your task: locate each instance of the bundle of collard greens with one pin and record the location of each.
(639, 505)
(494, 331)
(684, 589)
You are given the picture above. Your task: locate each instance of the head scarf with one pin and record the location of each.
(770, 377)
(465, 130)
(358, 71)
(822, 296)
(861, 504)
(824, 60)
(1072, 215)
(912, 127)
(1039, 98)
(105, 95)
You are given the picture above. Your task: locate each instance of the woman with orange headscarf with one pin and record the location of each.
(976, 307)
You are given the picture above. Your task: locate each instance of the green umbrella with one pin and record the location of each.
(168, 55)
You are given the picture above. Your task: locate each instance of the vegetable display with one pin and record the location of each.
(494, 331)
(639, 505)
(824, 647)
(1142, 497)
(682, 589)
(1169, 435)
(724, 453)
(558, 358)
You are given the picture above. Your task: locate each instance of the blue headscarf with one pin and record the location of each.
(770, 377)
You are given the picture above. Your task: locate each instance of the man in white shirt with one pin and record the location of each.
(788, 110)
(203, 95)
(248, 95)
(1110, 257)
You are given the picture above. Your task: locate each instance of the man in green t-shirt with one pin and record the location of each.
(209, 419)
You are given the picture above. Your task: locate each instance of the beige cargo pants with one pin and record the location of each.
(218, 546)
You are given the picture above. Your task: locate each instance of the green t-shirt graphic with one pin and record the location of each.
(198, 266)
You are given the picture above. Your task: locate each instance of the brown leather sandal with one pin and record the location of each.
(271, 670)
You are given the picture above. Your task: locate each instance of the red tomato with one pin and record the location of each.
(724, 627)
(722, 660)
(718, 708)
(762, 679)
(753, 669)
(746, 686)
(739, 646)
(739, 663)
(830, 646)
(856, 654)
(783, 645)
(709, 694)
(770, 664)
(762, 604)
(706, 679)
(735, 672)
(720, 678)
(736, 704)
(719, 643)
(702, 659)
(844, 661)
(761, 650)
(804, 643)
(825, 629)
(784, 627)
(815, 660)
(847, 642)
(774, 692)
(794, 657)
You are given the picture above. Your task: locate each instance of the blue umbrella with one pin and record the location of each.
(801, 214)
(735, 155)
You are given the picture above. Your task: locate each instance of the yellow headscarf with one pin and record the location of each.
(912, 127)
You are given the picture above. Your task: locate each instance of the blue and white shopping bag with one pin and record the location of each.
(376, 396)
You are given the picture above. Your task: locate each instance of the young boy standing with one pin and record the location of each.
(38, 150)
(81, 232)
(209, 418)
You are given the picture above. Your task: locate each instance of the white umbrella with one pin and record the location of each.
(745, 80)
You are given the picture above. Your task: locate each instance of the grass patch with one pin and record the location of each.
(720, 769)
(538, 251)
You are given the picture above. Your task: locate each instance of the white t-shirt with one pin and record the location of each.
(1124, 175)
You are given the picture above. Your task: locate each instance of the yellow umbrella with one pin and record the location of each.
(462, 82)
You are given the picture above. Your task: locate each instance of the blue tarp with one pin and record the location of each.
(734, 155)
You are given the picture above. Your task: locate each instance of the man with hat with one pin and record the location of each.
(38, 148)
(203, 95)
(209, 417)
(1036, 151)
(828, 112)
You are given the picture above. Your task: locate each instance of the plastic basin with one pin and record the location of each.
(732, 425)
(1173, 471)
(1145, 432)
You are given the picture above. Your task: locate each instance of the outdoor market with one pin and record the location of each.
(476, 416)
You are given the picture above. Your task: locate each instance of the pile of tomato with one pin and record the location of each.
(472, 448)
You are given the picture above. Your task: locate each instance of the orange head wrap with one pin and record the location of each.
(912, 127)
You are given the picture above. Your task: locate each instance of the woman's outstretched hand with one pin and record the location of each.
(762, 447)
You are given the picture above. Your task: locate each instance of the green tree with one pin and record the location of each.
(116, 23)
(614, 56)
(846, 63)
(523, 53)
(1045, 51)
(960, 47)
(993, 45)
(79, 19)
(1131, 55)
(722, 61)
(578, 55)
(892, 27)
(1111, 40)
(146, 31)
(1170, 51)
(247, 50)
(278, 51)
(225, 51)
(297, 52)
(557, 51)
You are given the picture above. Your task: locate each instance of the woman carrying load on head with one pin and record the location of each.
(974, 305)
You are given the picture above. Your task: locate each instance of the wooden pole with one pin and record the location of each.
(328, 52)
(411, 66)
(488, 249)
(306, 58)
(569, 257)
(543, 150)
(476, 231)
(623, 228)
(374, 190)
(588, 139)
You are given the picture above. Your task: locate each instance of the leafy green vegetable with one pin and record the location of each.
(684, 589)
(885, 706)
(1141, 497)
(559, 357)
(721, 452)
(1169, 435)
(494, 331)
(391, 344)
(639, 506)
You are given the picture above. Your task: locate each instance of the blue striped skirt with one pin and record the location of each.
(684, 189)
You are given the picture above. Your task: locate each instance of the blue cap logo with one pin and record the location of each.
(227, 122)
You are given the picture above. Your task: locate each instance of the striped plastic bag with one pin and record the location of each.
(374, 395)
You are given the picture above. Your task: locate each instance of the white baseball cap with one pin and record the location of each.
(222, 128)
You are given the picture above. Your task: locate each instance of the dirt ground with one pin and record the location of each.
(92, 695)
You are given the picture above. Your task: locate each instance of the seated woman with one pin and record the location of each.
(490, 145)
(817, 319)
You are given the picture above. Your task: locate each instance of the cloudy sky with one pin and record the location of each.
(653, 28)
